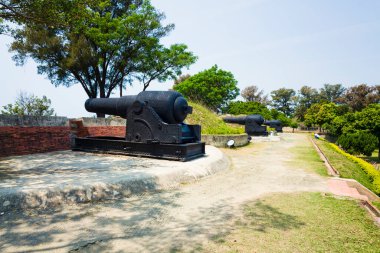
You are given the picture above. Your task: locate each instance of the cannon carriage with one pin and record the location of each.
(255, 125)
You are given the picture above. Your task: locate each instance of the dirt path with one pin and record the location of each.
(181, 219)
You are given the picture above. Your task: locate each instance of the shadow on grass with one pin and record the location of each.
(261, 217)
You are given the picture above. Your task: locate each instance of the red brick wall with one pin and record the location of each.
(79, 130)
(17, 140)
(118, 131)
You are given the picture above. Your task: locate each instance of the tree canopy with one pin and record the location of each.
(30, 105)
(306, 97)
(360, 96)
(252, 94)
(101, 44)
(212, 87)
(332, 92)
(283, 100)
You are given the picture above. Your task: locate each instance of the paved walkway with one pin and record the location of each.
(168, 221)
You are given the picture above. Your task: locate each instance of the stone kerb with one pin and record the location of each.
(220, 140)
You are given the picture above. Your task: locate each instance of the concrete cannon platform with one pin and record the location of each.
(53, 179)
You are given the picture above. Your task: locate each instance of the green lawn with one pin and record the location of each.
(303, 222)
(346, 168)
(308, 159)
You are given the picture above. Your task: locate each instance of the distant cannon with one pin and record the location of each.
(155, 127)
(253, 124)
(276, 124)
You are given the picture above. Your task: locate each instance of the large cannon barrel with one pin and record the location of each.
(235, 120)
(242, 120)
(171, 106)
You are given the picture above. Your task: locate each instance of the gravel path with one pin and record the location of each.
(181, 219)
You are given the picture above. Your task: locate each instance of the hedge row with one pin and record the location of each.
(368, 168)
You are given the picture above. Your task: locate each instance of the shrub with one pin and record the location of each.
(369, 169)
(359, 142)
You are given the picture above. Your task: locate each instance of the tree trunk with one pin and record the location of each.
(102, 94)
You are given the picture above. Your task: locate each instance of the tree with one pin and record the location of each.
(321, 114)
(332, 92)
(306, 97)
(213, 87)
(360, 96)
(311, 114)
(294, 125)
(327, 112)
(164, 63)
(252, 94)
(283, 100)
(101, 44)
(369, 120)
(29, 104)
(246, 108)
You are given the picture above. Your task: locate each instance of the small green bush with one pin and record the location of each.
(358, 143)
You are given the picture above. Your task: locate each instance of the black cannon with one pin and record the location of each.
(155, 127)
(276, 124)
(253, 124)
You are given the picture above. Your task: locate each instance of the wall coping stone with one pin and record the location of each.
(30, 121)
(93, 122)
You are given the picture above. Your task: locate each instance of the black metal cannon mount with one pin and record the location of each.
(155, 127)
(276, 124)
(253, 124)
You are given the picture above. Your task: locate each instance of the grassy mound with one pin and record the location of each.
(210, 122)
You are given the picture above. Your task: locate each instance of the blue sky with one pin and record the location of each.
(268, 43)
